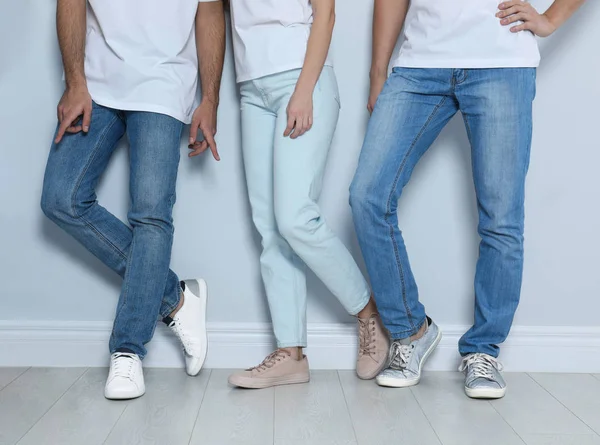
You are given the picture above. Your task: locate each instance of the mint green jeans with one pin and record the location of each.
(284, 179)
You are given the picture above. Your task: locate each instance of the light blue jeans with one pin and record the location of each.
(284, 179)
(412, 109)
(141, 251)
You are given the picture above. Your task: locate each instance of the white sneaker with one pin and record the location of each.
(189, 325)
(125, 378)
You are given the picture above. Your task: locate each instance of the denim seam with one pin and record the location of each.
(388, 213)
(78, 185)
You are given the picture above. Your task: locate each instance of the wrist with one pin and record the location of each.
(304, 88)
(211, 100)
(555, 22)
(76, 84)
(378, 72)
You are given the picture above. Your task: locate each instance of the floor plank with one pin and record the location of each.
(529, 409)
(580, 393)
(457, 419)
(561, 439)
(165, 414)
(27, 398)
(7, 375)
(313, 413)
(231, 416)
(383, 416)
(81, 416)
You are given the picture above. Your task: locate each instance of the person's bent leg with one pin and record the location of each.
(410, 112)
(299, 167)
(282, 271)
(74, 168)
(154, 154)
(497, 109)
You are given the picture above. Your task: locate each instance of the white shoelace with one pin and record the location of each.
(400, 355)
(122, 365)
(189, 346)
(482, 365)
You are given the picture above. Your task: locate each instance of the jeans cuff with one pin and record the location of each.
(398, 335)
(292, 344)
(166, 313)
(363, 303)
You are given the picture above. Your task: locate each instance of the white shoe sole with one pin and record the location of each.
(260, 383)
(201, 358)
(123, 395)
(485, 393)
(391, 382)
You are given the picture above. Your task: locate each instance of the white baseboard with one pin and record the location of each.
(331, 346)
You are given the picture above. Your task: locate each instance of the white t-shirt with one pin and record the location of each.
(269, 36)
(463, 34)
(141, 55)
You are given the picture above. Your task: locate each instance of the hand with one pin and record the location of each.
(300, 114)
(205, 119)
(516, 10)
(377, 83)
(74, 103)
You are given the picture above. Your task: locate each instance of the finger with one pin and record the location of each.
(213, 146)
(194, 131)
(290, 125)
(297, 128)
(304, 127)
(64, 124)
(309, 123)
(198, 148)
(515, 18)
(510, 11)
(74, 129)
(87, 118)
(59, 113)
(509, 4)
(521, 27)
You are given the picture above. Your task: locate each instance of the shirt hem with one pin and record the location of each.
(258, 74)
(466, 63)
(136, 106)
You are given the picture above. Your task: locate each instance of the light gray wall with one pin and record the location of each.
(45, 275)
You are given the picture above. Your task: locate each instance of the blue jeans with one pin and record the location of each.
(284, 179)
(140, 252)
(412, 109)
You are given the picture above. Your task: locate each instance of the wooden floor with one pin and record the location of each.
(64, 406)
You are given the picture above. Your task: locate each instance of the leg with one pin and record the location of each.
(298, 170)
(412, 109)
(154, 151)
(282, 270)
(496, 104)
(69, 197)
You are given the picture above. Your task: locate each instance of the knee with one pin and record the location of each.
(56, 203)
(504, 235)
(148, 212)
(365, 199)
(297, 225)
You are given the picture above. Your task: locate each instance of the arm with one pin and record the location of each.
(210, 45)
(300, 112)
(540, 24)
(388, 18)
(76, 101)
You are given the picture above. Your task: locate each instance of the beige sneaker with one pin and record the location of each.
(373, 347)
(279, 368)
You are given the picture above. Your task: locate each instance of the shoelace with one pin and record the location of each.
(366, 337)
(400, 355)
(189, 346)
(271, 360)
(122, 365)
(482, 365)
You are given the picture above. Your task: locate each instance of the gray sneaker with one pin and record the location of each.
(482, 376)
(406, 358)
